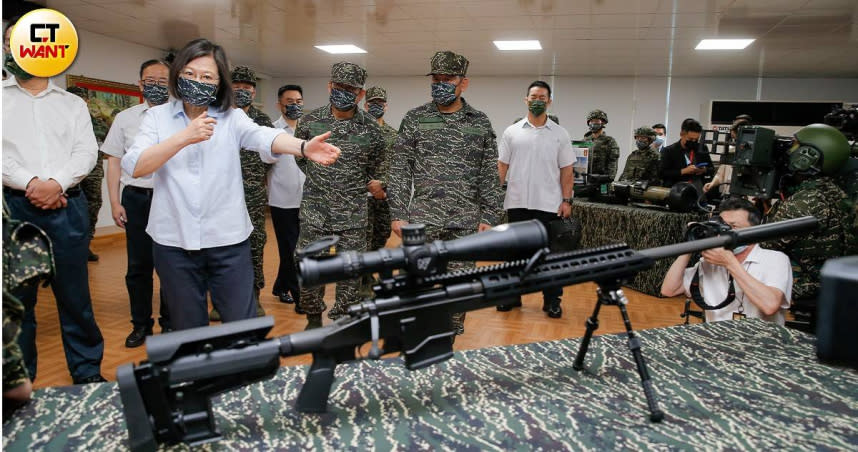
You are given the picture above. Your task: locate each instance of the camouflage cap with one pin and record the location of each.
(645, 132)
(348, 74)
(376, 92)
(597, 114)
(448, 63)
(244, 74)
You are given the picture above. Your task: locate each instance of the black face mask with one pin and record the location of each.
(691, 145)
(155, 94)
(196, 93)
(243, 98)
(376, 110)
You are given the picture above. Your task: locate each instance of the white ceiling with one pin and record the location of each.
(795, 38)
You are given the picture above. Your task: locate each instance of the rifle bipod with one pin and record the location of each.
(610, 294)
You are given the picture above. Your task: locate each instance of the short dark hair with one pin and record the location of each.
(285, 88)
(736, 203)
(152, 62)
(691, 125)
(540, 84)
(198, 48)
(659, 126)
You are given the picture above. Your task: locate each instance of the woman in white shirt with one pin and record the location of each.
(199, 221)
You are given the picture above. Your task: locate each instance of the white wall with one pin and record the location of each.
(630, 102)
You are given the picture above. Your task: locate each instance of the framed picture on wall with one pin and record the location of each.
(104, 99)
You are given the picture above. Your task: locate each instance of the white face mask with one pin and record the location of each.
(659, 140)
(739, 249)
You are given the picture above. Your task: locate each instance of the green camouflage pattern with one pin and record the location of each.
(434, 233)
(91, 186)
(645, 132)
(452, 161)
(347, 292)
(823, 199)
(640, 228)
(334, 196)
(734, 385)
(376, 92)
(27, 259)
(597, 114)
(348, 74)
(604, 154)
(253, 172)
(642, 165)
(379, 209)
(244, 74)
(448, 63)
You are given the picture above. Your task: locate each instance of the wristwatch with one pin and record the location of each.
(568, 200)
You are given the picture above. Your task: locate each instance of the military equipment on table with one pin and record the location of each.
(167, 398)
(681, 197)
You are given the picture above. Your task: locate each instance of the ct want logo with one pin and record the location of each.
(44, 43)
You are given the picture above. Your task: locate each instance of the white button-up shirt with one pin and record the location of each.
(535, 156)
(286, 180)
(121, 136)
(198, 200)
(48, 136)
(769, 267)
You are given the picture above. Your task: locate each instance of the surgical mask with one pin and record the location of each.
(596, 127)
(196, 93)
(155, 94)
(444, 93)
(641, 144)
(294, 111)
(343, 100)
(12, 66)
(739, 249)
(537, 107)
(659, 140)
(243, 98)
(376, 110)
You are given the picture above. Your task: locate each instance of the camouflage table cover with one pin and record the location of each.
(638, 227)
(740, 385)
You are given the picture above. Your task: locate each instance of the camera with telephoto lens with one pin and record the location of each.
(706, 229)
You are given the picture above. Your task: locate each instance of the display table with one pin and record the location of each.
(742, 385)
(638, 227)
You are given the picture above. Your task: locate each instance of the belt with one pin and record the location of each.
(71, 192)
(145, 191)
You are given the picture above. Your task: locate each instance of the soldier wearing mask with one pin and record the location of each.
(605, 151)
(642, 163)
(334, 201)
(379, 210)
(130, 210)
(818, 152)
(285, 189)
(253, 172)
(447, 152)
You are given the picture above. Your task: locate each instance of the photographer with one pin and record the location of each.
(749, 281)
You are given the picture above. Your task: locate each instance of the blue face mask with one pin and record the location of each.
(739, 249)
(196, 93)
(294, 111)
(444, 93)
(155, 94)
(659, 140)
(376, 110)
(243, 98)
(343, 100)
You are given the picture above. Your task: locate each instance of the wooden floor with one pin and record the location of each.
(483, 328)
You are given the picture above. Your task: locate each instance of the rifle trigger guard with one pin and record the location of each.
(374, 351)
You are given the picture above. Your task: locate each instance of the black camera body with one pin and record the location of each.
(706, 229)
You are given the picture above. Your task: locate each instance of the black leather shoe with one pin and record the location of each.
(97, 378)
(546, 304)
(92, 257)
(299, 309)
(508, 307)
(137, 337)
(286, 298)
(555, 311)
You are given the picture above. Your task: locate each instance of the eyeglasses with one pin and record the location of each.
(153, 81)
(204, 77)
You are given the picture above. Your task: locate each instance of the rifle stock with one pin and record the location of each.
(167, 399)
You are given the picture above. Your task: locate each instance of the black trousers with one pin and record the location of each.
(68, 229)
(141, 263)
(545, 218)
(186, 276)
(287, 227)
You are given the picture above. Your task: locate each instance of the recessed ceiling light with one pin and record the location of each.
(518, 45)
(723, 44)
(343, 48)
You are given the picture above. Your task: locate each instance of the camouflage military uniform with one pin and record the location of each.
(379, 209)
(604, 155)
(452, 161)
(824, 200)
(27, 259)
(641, 165)
(91, 186)
(334, 200)
(253, 171)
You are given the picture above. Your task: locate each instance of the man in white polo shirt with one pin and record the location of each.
(535, 158)
(748, 281)
(131, 210)
(285, 188)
